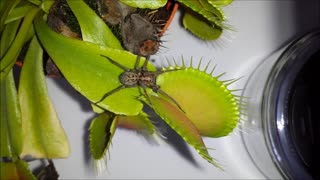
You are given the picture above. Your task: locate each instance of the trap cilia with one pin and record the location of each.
(119, 84)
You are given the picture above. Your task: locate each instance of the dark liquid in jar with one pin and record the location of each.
(304, 115)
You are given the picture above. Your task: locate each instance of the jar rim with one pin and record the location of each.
(274, 100)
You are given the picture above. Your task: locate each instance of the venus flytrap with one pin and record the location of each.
(192, 102)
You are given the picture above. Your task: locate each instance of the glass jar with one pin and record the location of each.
(281, 132)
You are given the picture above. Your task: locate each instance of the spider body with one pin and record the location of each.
(138, 77)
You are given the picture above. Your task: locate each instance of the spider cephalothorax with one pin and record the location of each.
(138, 77)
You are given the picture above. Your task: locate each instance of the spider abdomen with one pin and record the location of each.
(129, 78)
(148, 79)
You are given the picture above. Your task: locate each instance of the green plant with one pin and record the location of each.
(29, 124)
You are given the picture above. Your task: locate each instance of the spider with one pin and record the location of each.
(139, 77)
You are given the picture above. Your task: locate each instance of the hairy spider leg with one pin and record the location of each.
(136, 67)
(158, 90)
(173, 100)
(144, 87)
(116, 63)
(111, 92)
(144, 67)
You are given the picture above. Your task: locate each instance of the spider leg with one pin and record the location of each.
(145, 92)
(116, 63)
(111, 92)
(144, 67)
(136, 67)
(165, 71)
(173, 100)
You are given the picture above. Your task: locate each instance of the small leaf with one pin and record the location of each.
(179, 122)
(43, 135)
(91, 74)
(102, 129)
(201, 27)
(15, 170)
(208, 102)
(145, 4)
(93, 28)
(10, 119)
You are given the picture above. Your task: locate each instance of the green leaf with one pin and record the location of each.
(15, 170)
(102, 129)
(43, 135)
(200, 27)
(208, 102)
(10, 119)
(93, 28)
(201, 8)
(213, 9)
(8, 35)
(220, 2)
(6, 7)
(18, 12)
(36, 2)
(8, 60)
(89, 73)
(149, 4)
(46, 5)
(179, 122)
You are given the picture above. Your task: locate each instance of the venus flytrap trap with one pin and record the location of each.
(205, 18)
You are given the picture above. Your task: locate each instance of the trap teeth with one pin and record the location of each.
(207, 101)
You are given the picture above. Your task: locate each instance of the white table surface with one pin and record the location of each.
(260, 28)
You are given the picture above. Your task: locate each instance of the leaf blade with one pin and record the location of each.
(11, 129)
(43, 134)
